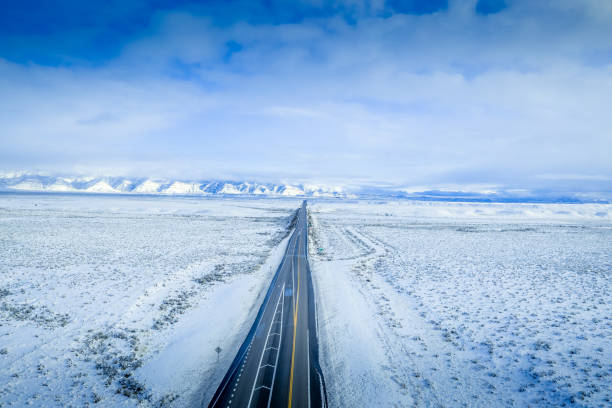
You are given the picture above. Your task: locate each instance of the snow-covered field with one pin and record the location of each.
(121, 301)
(464, 305)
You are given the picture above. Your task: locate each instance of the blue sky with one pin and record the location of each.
(489, 94)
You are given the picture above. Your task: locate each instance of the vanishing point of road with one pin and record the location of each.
(278, 363)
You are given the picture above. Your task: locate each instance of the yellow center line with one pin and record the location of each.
(295, 318)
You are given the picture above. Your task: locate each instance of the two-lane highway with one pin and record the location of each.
(277, 365)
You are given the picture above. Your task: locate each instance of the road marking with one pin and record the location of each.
(297, 249)
(248, 350)
(272, 323)
(295, 318)
(293, 279)
(280, 337)
(308, 355)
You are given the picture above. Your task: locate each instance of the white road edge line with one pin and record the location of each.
(280, 267)
(280, 338)
(281, 296)
(308, 354)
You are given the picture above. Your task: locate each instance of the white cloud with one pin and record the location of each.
(447, 98)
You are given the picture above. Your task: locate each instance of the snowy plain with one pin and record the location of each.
(122, 301)
(436, 304)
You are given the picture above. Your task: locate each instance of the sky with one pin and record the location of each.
(500, 94)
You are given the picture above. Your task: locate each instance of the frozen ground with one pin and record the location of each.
(464, 305)
(121, 301)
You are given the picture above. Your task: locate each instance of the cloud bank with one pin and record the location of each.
(502, 93)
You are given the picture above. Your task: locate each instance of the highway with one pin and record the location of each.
(277, 364)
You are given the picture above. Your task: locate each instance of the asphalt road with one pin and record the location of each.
(277, 365)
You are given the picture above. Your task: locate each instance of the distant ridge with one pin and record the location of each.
(31, 182)
(125, 185)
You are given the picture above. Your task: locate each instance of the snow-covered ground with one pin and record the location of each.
(463, 305)
(121, 301)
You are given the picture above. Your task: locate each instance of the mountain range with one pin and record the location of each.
(124, 185)
(31, 182)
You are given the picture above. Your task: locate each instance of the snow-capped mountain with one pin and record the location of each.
(31, 182)
(122, 185)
